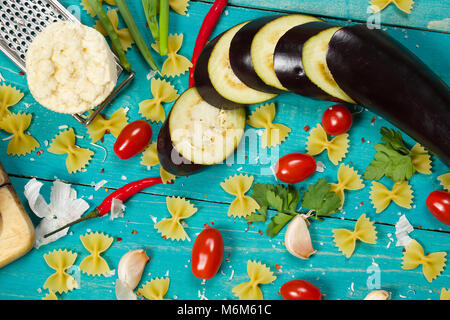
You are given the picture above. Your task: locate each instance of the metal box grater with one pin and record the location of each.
(22, 20)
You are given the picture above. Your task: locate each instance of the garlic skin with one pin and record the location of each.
(297, 238)
(378, 295)
(131, 267)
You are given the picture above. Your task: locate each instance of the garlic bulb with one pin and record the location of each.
(378, 295)
(297, 238)
(131, 267)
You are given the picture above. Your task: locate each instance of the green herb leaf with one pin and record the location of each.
(259, 194)
(278, 222)
(319, 198)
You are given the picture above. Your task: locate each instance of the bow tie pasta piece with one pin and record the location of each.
(348, 179)
(60, 261)
(150, 159)
(364, 231)
(243, 205)
(9, 96)
(404, 5)
(175, 63)
(179, 209)
(125, 38)
(318, 141)
(77, 158)
(20, 143)
(421, 159)
(163, 91)
(274, 133)
(95, 243)
(97, 128)
(87, 7)
(445, 294)
(432, 264)
(259, 274)
(445, 181)
(50, 296)
(381, 196)
(155, 289)
(179, 6)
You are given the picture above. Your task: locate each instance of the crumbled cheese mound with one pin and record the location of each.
(70, 68)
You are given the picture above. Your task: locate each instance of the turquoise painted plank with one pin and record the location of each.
(430, 14)
(294, 111)
(336, 276)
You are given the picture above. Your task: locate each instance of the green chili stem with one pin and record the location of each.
(134, 31)
(118, 49)
(163, 26)
(151, 12)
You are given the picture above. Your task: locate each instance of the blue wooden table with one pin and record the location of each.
(424, 31)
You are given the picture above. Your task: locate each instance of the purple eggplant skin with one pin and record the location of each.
(171, 160)
(240, 55)
(204, 85)
(381, 74)
(287, 61)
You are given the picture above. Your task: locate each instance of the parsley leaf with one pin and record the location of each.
(320, 199)
(259, 194)
(278, 222)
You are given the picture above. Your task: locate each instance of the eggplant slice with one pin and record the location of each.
(314, 59)
(384, 76)
(287, 61)
(216, 59)
(266, 35)
(196, 134)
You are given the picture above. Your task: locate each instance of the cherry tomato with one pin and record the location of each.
(337, 120)
(300, 290)
(295, 167)
(133, 139)
(207, 253)
(438, 202)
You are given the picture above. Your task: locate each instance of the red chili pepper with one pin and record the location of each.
(206, 29)
(122, 194)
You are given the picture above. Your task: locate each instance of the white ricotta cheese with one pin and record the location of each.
(70, 68)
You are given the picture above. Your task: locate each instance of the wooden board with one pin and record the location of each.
(327, 268)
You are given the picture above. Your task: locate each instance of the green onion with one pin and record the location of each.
(134, 31)
(163, 26)
(98, 9)
(151, 12)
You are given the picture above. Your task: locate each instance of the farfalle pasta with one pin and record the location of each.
(125, 38)
(445, 181)
(97, 128)
(445, 294)
(162, 91)
(348, 179)
(404, 5)
(21, 143)
(179, 209)
(381, 196)
(87, 7)
(155, 289)
(243, 205)
(60, 261)
(96, 243)
(175, 64)
(364, 231)
(259, 274)
(150, 159)
(318, 141)
(9, 96)
(64, 143)
(421, 159)
(179, 6)
(432, 264)
(274, 133)
(50, 296)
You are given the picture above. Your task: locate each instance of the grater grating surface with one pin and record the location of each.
(22, 20)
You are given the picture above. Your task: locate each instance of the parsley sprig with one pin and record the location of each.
(285, 200)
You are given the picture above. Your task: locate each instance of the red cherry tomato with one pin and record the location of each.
(295, 167)
(300, 290)
(438, 202)
(337, 120)
(133, 139)
(207, 253)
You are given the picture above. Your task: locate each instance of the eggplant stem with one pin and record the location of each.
(93, 214)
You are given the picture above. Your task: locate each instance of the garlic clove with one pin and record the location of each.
(297, 238)
(378, 295)
(131, 267)
(123, 292)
